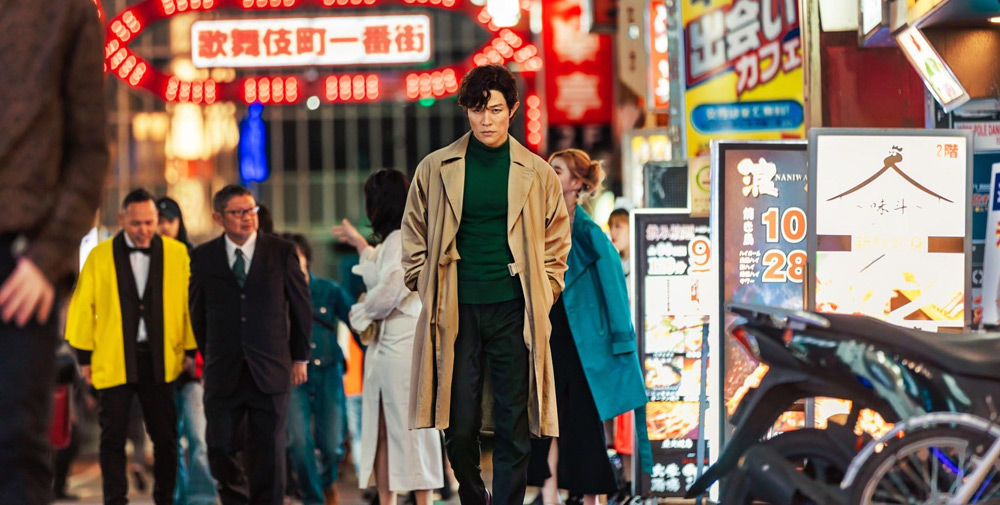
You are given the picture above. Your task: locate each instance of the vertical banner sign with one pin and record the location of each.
(762, 252)
(892, 213)
(659, 57)
(991, 259)
(743, 79)
(982, 205)
(673, 289)
(579, 68)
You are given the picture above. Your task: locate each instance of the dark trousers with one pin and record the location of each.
(490, 336)
(160, 414)
(63, 460)
(255, 423)
(27, 369)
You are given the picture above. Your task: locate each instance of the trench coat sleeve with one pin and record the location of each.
(82, 311)
(299, 308)
(557, 234)
(612, 281)
(196, 302)
(385, 296)
(414, 228)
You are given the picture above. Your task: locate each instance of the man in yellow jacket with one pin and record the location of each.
(129, 323)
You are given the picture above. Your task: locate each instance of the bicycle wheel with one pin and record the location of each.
(926, 466)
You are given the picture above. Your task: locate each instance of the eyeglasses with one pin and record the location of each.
(241, 213)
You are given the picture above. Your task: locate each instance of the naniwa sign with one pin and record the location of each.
(891, 213)
(340, 40)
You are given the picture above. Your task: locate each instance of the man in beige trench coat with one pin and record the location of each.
(485, 241)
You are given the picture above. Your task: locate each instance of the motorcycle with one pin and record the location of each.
(900, 373)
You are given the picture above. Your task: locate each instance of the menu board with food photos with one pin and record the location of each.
(673, 299)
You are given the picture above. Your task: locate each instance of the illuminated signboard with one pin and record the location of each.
(673, 288)
(762, 225)
(938, 78)
(638, 148)
(891, 212)
(743, 74)
(659, 58)
(916, 9)
(505, 46)
(346, 40)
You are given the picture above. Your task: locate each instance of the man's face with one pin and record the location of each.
(619, 235)
(170, 227)
(139, 221)
(490, 124)
(239, 218)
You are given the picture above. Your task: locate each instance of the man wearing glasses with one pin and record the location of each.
(252, 317)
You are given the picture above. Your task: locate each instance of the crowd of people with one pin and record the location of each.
(493, 303)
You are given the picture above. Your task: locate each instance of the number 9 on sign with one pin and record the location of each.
(700, 252)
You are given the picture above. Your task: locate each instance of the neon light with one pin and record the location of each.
(509, 45)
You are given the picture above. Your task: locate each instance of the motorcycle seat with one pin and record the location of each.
(964, 354)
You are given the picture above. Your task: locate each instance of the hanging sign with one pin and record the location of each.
(891, 212)
(743, 71)
(340, 40)
(579, 76)
(673, 300)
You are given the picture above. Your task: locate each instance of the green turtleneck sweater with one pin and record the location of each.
(483, 276)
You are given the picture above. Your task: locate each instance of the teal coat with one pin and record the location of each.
(596, 302)
(330, 303)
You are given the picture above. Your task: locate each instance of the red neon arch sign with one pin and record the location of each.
(506, 45)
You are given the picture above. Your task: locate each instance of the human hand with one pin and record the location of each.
(346, 232)
(188, 366)
(85, 372)
(27, 293)
(300, 372)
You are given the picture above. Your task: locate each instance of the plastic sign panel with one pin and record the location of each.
(891, 212)
(743, 80)
(937, 76)
(991, 257)
(641, 147)
(283, 42)
(673, 301)
(580, 70)
(762, 248)
(659, 57)
(983, 183)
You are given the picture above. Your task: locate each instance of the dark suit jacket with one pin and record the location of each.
(267, 324)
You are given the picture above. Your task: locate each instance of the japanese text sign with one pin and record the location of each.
(674, 294)
(892, 218)
(743, 71)
(579, 72)
(347, 40)
(762, 220)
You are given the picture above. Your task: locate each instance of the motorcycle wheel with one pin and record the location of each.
(926, 466)
(813, 451)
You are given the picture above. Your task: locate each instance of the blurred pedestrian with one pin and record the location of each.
(487, 285)
(251, 315)
(195, 485)
(317, 414)
(265, 220)
(53, 163)
(133, 336)
(400, 459)
(618, 224)
(595, 362)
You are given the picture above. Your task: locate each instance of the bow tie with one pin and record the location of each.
(143, 250)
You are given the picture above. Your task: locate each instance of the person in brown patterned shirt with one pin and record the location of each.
(53, 164)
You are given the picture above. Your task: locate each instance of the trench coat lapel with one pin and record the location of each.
(453, 174)
(522, 174)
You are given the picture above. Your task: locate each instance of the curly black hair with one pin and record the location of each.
(474, 93)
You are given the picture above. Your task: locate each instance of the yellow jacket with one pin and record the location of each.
(94, 320)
